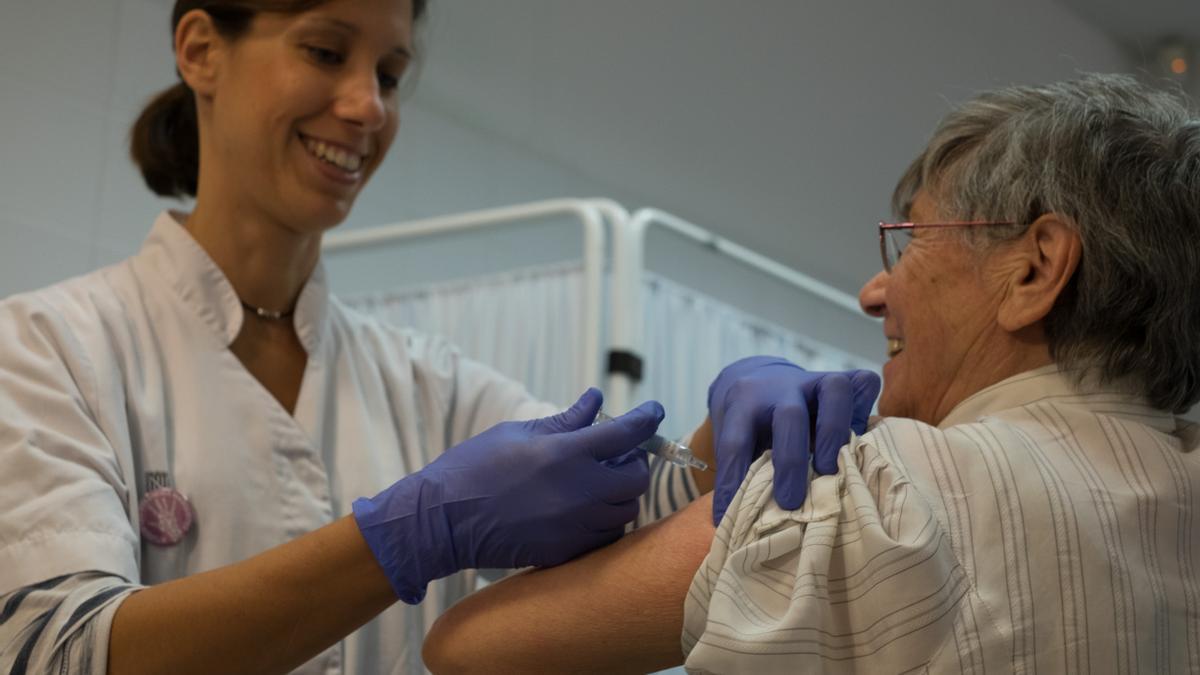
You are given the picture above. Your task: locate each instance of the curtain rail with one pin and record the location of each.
(628, 258)
(629, 264)
(589, 213)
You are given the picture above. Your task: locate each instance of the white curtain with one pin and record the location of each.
(526, 324)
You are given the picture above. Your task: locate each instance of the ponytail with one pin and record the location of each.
(165, 143)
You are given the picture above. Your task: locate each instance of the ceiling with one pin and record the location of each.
(1142, 25)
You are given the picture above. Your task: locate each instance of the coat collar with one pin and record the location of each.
(202, 287)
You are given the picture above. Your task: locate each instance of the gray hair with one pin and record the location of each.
(1121, 163)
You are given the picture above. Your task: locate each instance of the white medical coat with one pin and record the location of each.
(110, 380)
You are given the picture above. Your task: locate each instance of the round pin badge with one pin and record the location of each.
(166, 516)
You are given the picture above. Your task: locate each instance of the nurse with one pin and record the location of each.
(187, 437)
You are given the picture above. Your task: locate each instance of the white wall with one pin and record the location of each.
(75, 75)
(779, 124)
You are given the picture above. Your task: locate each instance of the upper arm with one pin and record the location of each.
(862, 573)
(617, 609)
(63, 492)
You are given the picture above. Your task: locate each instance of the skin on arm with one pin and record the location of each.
(267, 614)
(703, 447)
(616, 610)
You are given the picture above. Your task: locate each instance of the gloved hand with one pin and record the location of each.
(519, 494)
(765, 402)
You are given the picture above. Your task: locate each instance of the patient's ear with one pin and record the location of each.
(1042, 261)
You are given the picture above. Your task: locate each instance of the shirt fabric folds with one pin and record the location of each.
(1038, 528)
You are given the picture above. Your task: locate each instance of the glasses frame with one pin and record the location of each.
(884, 228)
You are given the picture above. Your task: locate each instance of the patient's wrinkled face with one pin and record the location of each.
(937, 309)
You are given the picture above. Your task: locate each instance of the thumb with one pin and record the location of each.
(622, 434)
(864, 387)
(578, 416)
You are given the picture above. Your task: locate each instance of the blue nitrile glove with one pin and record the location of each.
(765, 402)
(519, 494)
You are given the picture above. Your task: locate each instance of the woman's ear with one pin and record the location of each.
(197, 45)
(1044, 261)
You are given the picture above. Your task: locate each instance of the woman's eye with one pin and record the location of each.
(325, 56)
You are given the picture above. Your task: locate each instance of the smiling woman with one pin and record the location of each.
(165, 139)
(190, 438)
(296, 63)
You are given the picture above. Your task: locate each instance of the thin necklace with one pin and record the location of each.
(269, 315)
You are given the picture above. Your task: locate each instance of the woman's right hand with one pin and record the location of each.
(519, 494)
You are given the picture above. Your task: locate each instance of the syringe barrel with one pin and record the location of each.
(657, 445)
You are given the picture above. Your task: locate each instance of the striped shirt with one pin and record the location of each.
(671, 489)
(1038, 528)
(61, 624)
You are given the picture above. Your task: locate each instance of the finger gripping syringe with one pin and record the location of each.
(675, 453)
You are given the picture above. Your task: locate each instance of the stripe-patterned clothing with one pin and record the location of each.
(671, 489)
(66, 627)
(1038, 528)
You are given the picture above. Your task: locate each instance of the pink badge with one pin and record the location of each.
(166, 516)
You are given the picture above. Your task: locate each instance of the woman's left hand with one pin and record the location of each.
(765, 402)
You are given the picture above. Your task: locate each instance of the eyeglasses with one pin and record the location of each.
(894, 237)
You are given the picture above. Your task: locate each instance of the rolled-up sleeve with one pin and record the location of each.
(60, 625)
(671, 489)
(862, 578)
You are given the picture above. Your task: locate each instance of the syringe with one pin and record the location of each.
(675, 453)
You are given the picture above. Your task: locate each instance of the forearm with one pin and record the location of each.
(618, 609)
(267, 614)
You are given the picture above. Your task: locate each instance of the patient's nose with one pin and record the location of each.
(873, 296)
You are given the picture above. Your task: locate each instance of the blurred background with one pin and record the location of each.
(781, 125)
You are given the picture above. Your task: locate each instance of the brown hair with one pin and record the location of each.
(165, 139)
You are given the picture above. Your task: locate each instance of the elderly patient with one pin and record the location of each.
(1028, 501)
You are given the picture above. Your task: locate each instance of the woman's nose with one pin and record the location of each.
(362, 102)
(873, 296)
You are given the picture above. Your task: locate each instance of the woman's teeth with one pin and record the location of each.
(895, 346)
(347, 161)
